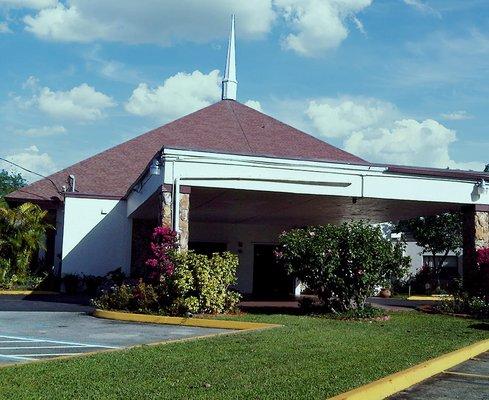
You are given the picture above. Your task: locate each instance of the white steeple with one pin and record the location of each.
(229, 83)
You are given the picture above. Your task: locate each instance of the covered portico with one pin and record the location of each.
(242, 203)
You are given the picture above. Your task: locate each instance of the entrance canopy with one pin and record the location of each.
(289, 209)
(250, 189)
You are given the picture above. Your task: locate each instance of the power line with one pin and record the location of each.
(32, 172)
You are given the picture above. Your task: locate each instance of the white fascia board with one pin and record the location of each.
(261, 173)
(218, 170)
(225, 158)
(406, 187)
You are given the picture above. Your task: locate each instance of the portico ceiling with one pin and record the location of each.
(257, 207)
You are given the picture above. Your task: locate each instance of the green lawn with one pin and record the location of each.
(308, 358)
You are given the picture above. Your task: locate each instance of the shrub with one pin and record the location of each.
(10, 281)
(201, 283)
(178, 283)
(91, 283)
(342, 264)
(72, 283)
(164, 243)
(464, 303)
(118, 297)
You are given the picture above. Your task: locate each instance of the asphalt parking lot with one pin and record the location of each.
(35, 335)
(469, 380)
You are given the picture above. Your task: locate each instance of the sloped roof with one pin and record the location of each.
(226, 127)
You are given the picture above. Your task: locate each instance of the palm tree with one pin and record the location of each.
(22, 234)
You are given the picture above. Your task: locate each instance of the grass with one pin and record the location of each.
(308, 358)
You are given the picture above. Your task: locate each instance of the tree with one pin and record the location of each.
(342, 264)
(22, 233)
(436, 234)
(9, 182)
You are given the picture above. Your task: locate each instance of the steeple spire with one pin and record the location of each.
(229, 83)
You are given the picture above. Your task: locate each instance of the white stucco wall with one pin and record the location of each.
(416, 253)
(96, 236)
(233, 234)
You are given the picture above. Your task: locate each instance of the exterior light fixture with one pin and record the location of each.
(154, 168)
(481, 187)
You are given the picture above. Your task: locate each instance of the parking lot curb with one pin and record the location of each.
(25, 292)
(430, 298)
(399, 381)
(197, 322)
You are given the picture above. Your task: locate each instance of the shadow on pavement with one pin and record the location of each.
(42, 303)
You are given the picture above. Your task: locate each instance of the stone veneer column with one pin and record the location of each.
(475, 233)
(184, 225)
(167, 215)
(167, 209)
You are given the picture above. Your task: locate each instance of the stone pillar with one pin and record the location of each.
(184, 225)
(475, 233)
(167, 208)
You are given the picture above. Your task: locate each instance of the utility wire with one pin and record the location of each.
(32, 172)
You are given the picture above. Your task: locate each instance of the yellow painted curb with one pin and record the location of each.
(394, 383)
(25, 292)
(430, 298)
(199, 322)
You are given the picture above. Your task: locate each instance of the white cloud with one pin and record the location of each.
(422, 7)
(255, 104)
(316, 25)
(42, 131)
(151, 21)
(4, 28)
(80, 103)
(180, 94)
(340, 117)
(359, 25)
(319, 25)
(375, 130)
(457, 115)
(31, 83)
(406, 142)
(34, 4)
(32, 159)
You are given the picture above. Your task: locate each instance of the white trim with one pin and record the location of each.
(242, 172)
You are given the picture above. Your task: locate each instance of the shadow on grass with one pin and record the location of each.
(482, 326)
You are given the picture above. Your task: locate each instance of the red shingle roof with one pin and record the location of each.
(227, 127)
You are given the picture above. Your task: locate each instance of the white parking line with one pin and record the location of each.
(16, 357)
(43, 347)
(50, 355)
(57, 342)
(43, 344)
(19, 341)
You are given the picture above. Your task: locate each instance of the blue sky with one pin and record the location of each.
(398, 81)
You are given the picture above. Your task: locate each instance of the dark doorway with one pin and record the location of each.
(207, 248)
(270, 280)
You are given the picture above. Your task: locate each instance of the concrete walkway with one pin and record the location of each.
(466, 381)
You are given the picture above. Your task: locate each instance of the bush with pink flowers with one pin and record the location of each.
(177, 283)
(342, 264)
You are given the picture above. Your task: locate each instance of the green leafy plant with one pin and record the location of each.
(178, 283)
(9, 182)
(202, 283)
(436, 234)
(342, 264)
(72, 283)
(22, 234)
